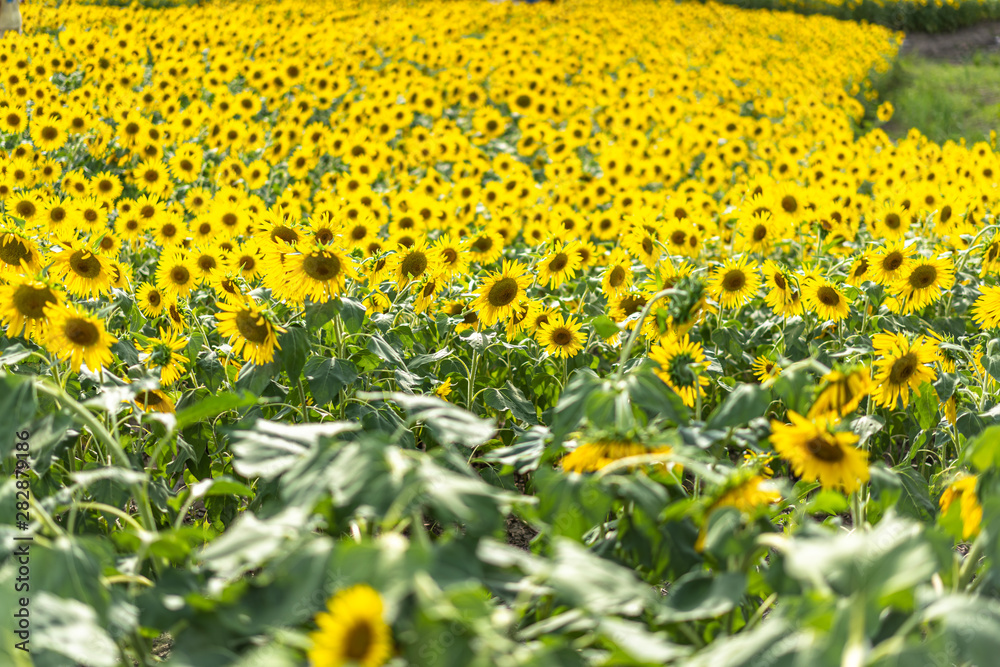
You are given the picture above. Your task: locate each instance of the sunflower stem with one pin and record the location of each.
(630, 343)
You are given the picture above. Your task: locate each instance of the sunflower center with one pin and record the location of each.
(632, 305)
(252, 326)
(25, 209)
(321, 267)
(903, 369)
(84, 264)
(562, 337)
(206, 262)
(734, 280)
(862, 268)
(892, 221)
(892, 261)
(49, 133)
(482, 244)
(503, 292)
(81, 332)
(414, 264)
(153, 298)
(31, 301)
(759, 232)
(450, 255)
(179, 275)
(148, 398)
(12, 252)
(359, 232)
(828, 296)
(247, 263)
(678, 237)
(617, 276)
(923, 276)
(286, 234)
(359, 640)
(559, 262)
(824, 450)
(789, 204)
(647, 245)
(779, 281)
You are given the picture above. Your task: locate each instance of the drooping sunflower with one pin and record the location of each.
(817, 453)
(734, 283)
(77, 336)
(823, 298)
(560, 336)
(154, 400)
(164, 353)
(923, 283)
(841, 392)
(351, 631)
(986, 310)
(22, 306)
(502, 293)
(251, 334)
(593, 455)
(682, 366)
(319, 273)
(902, 366)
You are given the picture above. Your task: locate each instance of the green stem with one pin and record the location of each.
(630, 343)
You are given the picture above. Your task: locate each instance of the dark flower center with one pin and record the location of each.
(84, 264)
(923, 276)
(903, 369)
(252, 326)
(503, 292)
(321, 267)
(81, 332)
(734, 280)
(828, 296)
(824, 450)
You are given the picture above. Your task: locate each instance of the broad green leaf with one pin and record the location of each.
(510, 398)
(295, 348)
(654, 397)
(448, 423)
(926, 406)
(384, 351)
(984, 452)
(702, 595)
(605, 326)
(67, 632)
(352, 313)
(570, 410)
(327, 377)
(269, 448)
(17, 405)
(212, 407)
(745, 402)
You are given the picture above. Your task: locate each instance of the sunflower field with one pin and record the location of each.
(488, 334)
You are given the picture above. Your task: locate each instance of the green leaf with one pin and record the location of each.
(50, 436)
(353, 314)
(510, 398)
(926, 406)
(70, 630)
(327, 377)
(271, 448)
(448, 423)
(384, 351)
(294, 351)
(605, 326)
(984, 452)
(213, 406)
(571, 504)
(745, 402)
(702, 595)
(18, 401)
(254, 379)
(13, 354)
(572, 405)
(944, 386)
(654, 397)
(525, 453)
(584, 579)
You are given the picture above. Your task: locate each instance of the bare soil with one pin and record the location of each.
(955, 46)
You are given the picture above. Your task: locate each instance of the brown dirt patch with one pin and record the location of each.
(955, 46)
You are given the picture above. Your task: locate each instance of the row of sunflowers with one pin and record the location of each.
(489, 334)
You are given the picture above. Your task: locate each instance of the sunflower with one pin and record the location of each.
(414, 263)
(986, 310)
(452, 254)
(760, 232)
(82, 271)
(734, 284)
(841, 393)
(558, 266)
(176, 275)
(250, 332)
(352, 631)
(889, 262)
(902, 366)
(77, 336)
(319, 274)
(593, 455)
(747, 494)
(154, 400)
(502, 294)
(641, 242)
(617, 277)
(22, 306)
(818, 454)
(783, 297)
(151, 301)
(923, 282)
(443, 390)
(682, 363)
(164, 353)
(486, 247)
(764, 369)
(860, 270)
(19, 254)
(560, 336)
(425, 292)
(823, 298)
(970, 511)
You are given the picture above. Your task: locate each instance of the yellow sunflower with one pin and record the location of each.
(963, 490)
(249, 331)
(176, 275)
(558, 266)
(560, 337)
(986, 310)
(617, 276)
(82, 271)
(151, 301)
(823, 298)
(319, 274)
(502, 294)
(77, 336)
(682, 365)
(818, 454)
(923, 282)
(22, 306)
(764, 369)
(593, 455)
(841, 392)
(352, 631)
(902, 365)
(889, 262)
(19, 254)
(734, 283)
(164, 353)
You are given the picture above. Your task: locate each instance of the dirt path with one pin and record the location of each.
(955, 46)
